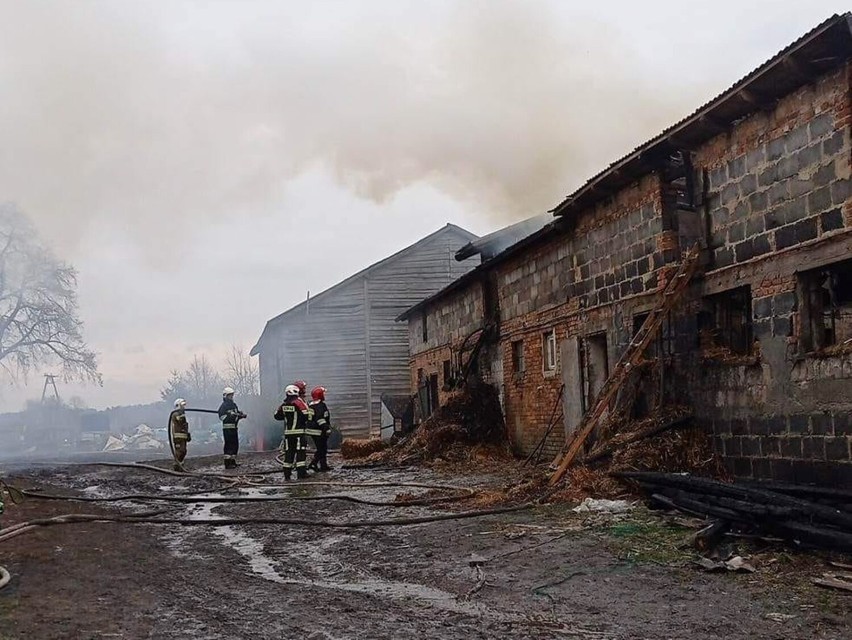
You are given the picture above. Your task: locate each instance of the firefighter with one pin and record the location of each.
(303, 390)
(179, 430)
(294, 413)
(230, 415)
(302, 386)
(319, 430)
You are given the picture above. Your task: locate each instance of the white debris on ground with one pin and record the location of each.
(591, 505)
(142, 439)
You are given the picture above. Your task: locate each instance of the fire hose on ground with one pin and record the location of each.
(72, 518)
(254, 480)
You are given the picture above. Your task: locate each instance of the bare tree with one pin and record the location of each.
(199, 382)
(241, 372)
(38, 305)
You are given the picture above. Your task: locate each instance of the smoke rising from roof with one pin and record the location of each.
(175, 112)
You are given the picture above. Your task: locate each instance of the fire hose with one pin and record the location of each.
(203, 499)
(72, 518)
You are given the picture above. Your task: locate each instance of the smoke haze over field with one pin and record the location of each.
(173, 150)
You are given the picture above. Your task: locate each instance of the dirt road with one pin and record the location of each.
(545, 573)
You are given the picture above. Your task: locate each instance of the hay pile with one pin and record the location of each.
(468, 429)
(360, 447)
(640, 445)
(684, 450)
(583, 482)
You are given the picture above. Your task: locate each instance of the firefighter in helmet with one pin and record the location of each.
(319, 429)
(295, 414)
(303, 389)
(179, 431)
(230, 415)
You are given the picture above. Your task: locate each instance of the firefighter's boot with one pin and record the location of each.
(301, 473)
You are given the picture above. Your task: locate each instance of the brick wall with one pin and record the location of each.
(613, 253)
(431, 362)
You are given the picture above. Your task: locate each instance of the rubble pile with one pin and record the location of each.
(666, 441)
(467, 429)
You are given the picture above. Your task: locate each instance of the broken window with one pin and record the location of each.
(425, 329)
(427, 394)
(447, 373)
(726, 321)
(549, 346)
(826, 306)
(518, 361)
(433, 393)
(679, 174)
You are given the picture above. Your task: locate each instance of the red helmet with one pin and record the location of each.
(318, 393)
(303, 387)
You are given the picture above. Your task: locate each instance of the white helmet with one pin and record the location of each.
(291, 391)
(180, 403)
(227, 391)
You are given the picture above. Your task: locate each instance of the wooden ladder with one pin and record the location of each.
(672, 293)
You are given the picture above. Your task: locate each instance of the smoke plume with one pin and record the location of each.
(177, 112)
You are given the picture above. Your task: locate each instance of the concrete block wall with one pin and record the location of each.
(779, 204)
(449, 320)
(781, 178)
(611, 252)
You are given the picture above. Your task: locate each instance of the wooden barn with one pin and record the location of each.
(346, 338)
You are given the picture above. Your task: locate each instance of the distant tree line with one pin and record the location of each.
(201, 383)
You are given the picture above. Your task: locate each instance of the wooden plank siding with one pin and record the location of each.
(347, 338)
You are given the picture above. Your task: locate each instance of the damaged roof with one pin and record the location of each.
(476, 273)
(821, 50)
(494, 243)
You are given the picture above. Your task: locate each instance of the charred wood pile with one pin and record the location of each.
(802, 515)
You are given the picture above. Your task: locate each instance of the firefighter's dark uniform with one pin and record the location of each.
(319, 429)
(180, 435)
(230, 415)
(295, 414)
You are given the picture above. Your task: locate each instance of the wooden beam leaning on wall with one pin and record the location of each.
(671, 295)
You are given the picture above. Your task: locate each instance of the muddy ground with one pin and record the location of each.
(546, 572)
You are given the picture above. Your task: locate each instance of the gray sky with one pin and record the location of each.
(204, 164)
